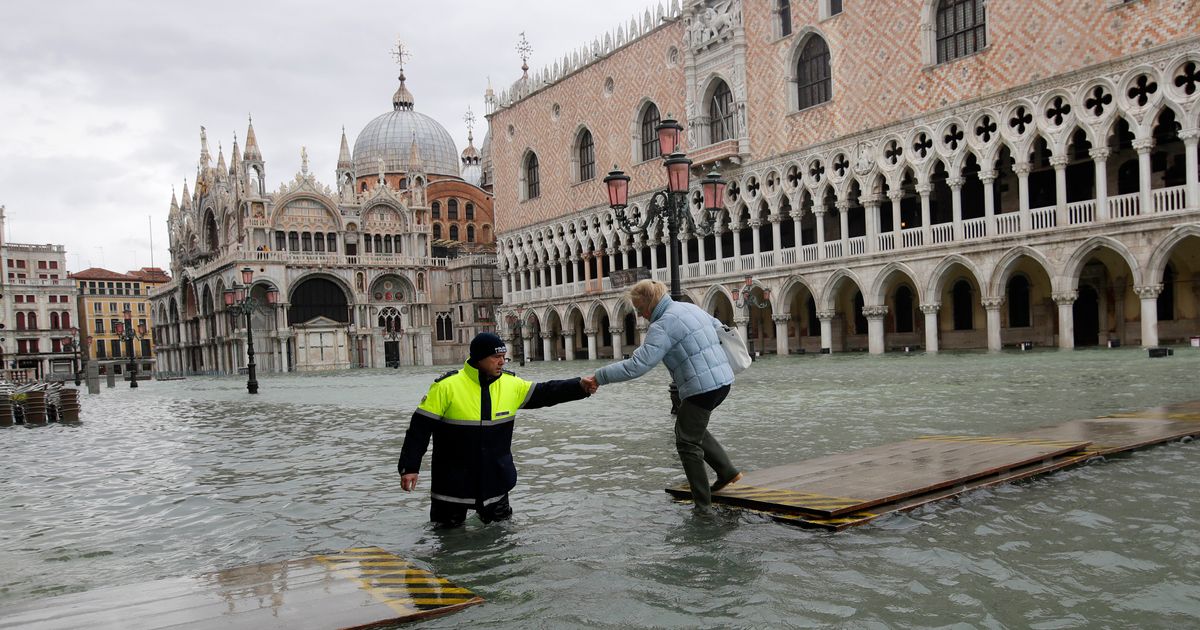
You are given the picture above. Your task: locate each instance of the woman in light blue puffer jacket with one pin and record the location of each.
(684, 338)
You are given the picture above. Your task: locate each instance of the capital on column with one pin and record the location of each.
(1065, 298)
(1059, 162)
(988, 176)
(1022, 169)
(589, 331)
(1143, 145)
(1149, 291)
(781, 317)
(932, 308)
(955, 183)
(993, 303)
(741, 321)
(826, 315)
(875, 312)
(1189, 136)
(1099, 154)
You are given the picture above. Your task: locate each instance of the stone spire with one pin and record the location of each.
(187, 197)
(174, 203)
(252, 152)
(414, 156)
(222, 169)
(344, 161)
(205, 157)
(235, 161)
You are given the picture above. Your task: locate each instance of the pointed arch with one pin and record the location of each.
(1004, 267)
(833, 284)
(1068, 279)
(876, 293)
(937, 278)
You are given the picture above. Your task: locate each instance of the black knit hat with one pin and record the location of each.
(484, 345)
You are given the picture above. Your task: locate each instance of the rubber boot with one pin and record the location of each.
(691, 425)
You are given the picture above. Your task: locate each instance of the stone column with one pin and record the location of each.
(587, 270)
(1022, 171)
(1099, 161)
(737, 241)
(924, 190)
(1059, 162)
(743, 324)
(826, 318)
(653, 256)
(1066, 318)
(819, 213)
(895, 196)
(875, 337)
(1191, 138)
(843, 208)
(956, 184)
(796, 231)
(755, 239)
(612, 261)
(525, 347)
(776, 236)
(871, 206)
(637, 247)
(989, 201)
(625, 256)
(931, 326)
(642, 326)
(568, 346)
(781, 332)
(717, 232)
(1149, 296)
(591, 343)
(546, 346)
(1143, 146)
(992, 306)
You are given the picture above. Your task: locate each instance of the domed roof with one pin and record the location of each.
(472, 174)
(390, 137)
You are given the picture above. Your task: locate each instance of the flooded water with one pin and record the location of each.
(184, 477)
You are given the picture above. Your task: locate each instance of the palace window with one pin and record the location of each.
(452, 210)
(784, 14)
(437, 231)
(436, 211)
(961, 28)
(532, 182)
(454, 232)
(445, 326)
(587, 156)
(470, 233)
(813, 82)
(650, 120)
(720, 114)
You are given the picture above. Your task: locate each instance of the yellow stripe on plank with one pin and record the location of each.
(414, 580)
(376, 571)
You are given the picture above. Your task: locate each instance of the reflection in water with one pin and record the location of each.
(185, 477)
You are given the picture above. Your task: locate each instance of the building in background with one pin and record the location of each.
(38, 311)
(933, 174)
(392, 265)
(102, 298)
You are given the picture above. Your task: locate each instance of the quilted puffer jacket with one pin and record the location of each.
(684, 338)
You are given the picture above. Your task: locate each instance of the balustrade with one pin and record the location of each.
(1081, 212)
(858, 245)
(912, 237)
(1170, 199)
(1009, 223)
(941, 233)
(1123, 206)
(974, 228)
(809, 253)
(833, 250)
(1042, 218)
(887, 242)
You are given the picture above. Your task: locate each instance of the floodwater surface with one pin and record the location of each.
(184, 477)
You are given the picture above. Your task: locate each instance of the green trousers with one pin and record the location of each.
(696, 447)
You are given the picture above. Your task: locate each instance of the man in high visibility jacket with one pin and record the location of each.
(469, 413)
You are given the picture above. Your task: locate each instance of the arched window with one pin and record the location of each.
(470, 233)
(720, 114)
(437, 231)
(436, 210)
(319, 242)
(1018, 302)
(452, 210)
(454, 232)
(587, 156)
(378, 244)
(387, 244)
(66, 320)
(961, 28)
(813, 82)
(294, 241)
(331, 242)
(470, 211)
(53, 321)
(783, 11)
(650, 120)
(32, 321)
(532, 188)
(306, 242)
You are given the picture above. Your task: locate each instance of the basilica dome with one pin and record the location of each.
(391, 136)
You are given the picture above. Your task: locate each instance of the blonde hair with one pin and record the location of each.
(647, 293)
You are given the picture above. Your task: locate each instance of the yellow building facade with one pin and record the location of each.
(104, 297)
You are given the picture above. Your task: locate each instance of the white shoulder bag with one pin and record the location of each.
(735, 348)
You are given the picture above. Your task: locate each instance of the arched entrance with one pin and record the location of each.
(319, 315)
(1086, 313)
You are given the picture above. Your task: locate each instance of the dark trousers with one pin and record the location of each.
(697, 446)
(450, 514)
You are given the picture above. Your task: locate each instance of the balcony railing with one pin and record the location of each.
(1080, 213)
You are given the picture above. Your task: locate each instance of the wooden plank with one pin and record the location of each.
(856, 481)
(356, 588)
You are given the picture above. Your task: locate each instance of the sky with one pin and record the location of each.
(101, 103)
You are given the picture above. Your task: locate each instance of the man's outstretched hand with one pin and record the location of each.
(589, 384)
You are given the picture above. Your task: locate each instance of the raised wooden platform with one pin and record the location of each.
(364, 587)
(841, 491)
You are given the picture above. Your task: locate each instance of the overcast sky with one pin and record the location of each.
(101, 103)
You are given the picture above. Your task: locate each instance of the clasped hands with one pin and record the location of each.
(589, 384)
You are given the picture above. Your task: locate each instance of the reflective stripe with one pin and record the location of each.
(494, 499)
(450, 499)
(476, 423)
(528, 395)
(428, 414)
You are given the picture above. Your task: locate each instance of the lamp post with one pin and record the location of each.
(73, 347)
(743, 297)
(392, 333)
(238, 300)
(128, 333)
(670, 204)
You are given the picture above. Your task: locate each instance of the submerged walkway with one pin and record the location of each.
(356, 588)
(848, 489)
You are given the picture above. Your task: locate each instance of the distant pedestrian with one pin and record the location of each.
(684, 338)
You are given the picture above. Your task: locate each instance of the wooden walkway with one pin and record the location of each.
(363, 587)
(841, 491)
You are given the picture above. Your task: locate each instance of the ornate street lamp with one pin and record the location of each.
(238, 299)
(394, 332)
(744, 297)
(128, 333)
(670, 204)
(72, 346)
